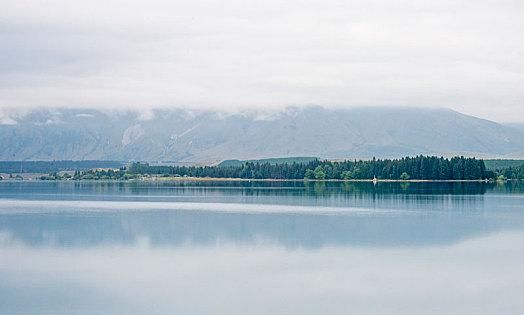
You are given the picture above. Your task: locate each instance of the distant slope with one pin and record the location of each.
(54, 166)
(187, 136)
(500, 164)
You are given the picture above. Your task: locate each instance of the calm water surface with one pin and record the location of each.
(261, 248)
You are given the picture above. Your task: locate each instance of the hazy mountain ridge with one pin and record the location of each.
(180, 135)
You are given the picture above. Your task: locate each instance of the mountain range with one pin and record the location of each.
(205, 136)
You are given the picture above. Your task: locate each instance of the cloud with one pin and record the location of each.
(6, 120)
(464, 55)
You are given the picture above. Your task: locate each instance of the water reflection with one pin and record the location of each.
(480, 276)
(261, 248)
(261, 187)
(308, 215)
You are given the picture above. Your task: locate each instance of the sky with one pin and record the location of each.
(226, 55)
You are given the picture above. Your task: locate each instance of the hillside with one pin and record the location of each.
(186, 136)
(500, 164)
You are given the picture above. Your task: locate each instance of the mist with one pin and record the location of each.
(234, 55)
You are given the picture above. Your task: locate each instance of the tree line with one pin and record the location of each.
(419, 167)
(93, 174)
(511, 172)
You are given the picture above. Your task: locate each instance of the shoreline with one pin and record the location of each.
(228, 179)
(309, 180)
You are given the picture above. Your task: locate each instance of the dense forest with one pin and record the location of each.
(414, 168)
(420, 167)
(512, 172)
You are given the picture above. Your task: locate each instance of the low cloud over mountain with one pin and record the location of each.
(189, 136)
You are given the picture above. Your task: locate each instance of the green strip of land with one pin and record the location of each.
(418, 168)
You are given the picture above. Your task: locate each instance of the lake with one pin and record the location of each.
(261, 248)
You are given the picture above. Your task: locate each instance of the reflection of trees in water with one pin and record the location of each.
(320, 187)
(514, 186)
(251, 190)
(138, 187)
(444, 212)
(417, 188)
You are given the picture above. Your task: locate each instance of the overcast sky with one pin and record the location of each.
(464, 55)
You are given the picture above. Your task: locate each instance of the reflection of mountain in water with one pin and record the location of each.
(291, 230)
(440, 214)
